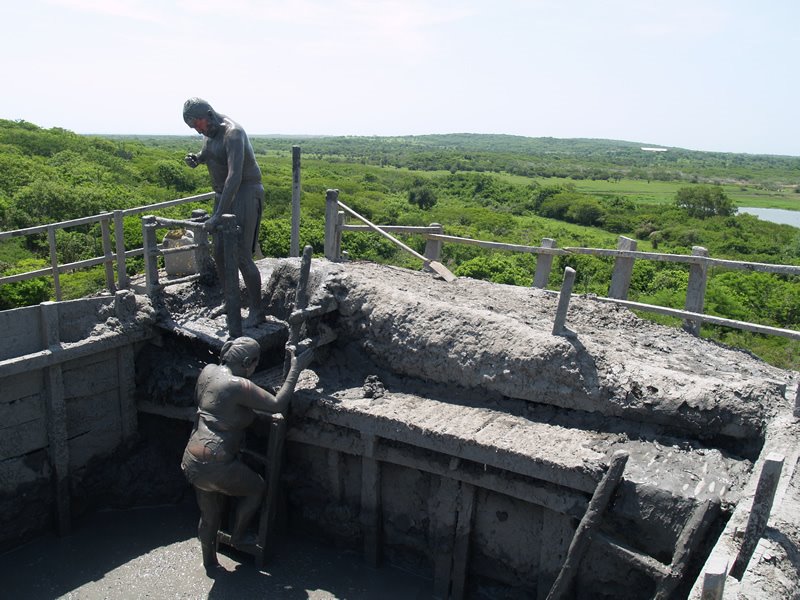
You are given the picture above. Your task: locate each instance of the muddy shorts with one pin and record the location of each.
(232, 478)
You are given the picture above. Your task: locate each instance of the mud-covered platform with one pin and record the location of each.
(445, 429)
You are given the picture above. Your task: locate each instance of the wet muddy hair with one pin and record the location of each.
(196, 108)
(243, 350)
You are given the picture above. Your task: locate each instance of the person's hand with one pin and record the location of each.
(191, 160)
(300, 361)
(211, 224)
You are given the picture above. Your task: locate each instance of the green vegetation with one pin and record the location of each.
(499, 188)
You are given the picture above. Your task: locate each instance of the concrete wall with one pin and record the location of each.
(66, 396)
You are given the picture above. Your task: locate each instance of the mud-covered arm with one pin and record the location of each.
(258, 398)
(193, 159)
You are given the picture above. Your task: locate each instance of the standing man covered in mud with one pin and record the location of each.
(236, 180)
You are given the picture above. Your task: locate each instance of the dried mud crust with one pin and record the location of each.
(498, 338)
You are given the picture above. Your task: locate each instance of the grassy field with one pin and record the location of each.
(659, 192)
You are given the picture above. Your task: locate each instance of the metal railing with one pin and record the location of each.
(624, 257)
(112, 255)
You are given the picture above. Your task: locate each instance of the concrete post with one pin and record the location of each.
(433, 248)
(119, 240)
(56, 410)
(202, 256)
(230, 244)
(150, 254)
(696, 290)
(105, 230)
(544, 262)
(759, 513)
(294, 249)
(559, 327)
(51, 239)
(623, 270)
(714, 579)
(331, 216)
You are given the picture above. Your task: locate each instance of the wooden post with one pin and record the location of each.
(331, 212)
(202, 256)
(690, 538)
(230, 242)
(294, 250)
(266, 528)
(559, 327)
(56, 409)
(696, 290)
(759, 513)
(51, 239)
(544, 262)
(462, 542)
(119, 240)
(371, 500)
(338, 236)
(443, 513)
(588, 525)
(105, 230)
(150, 254)
(124, 309)
(714, 577)
(623, 270)
(433, 248)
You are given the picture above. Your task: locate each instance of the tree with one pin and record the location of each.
(703, 201)
(422, 196)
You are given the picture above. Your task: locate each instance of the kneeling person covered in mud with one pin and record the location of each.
(226, 400)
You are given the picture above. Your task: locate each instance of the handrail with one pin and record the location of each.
(625, 254)
(109, 256)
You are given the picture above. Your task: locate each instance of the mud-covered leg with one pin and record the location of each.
(211, 504)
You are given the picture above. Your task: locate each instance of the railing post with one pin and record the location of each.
(759, 512)
(338, 237)
(231, 270)
(119, 241)
(696, 290)
(623, 270)
(559, 327)
(331, 215)
(294, 249)
(149, 226)
(544, 262)
(51, 239)
(201, 254)
(105, 230)
(433, 248)
(56, 410)
(714, 576)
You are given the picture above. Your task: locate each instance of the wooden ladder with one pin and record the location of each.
(667, 577)
(271, 463)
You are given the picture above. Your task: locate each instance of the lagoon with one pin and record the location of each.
(774, 215)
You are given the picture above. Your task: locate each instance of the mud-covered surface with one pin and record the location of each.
(471, 370)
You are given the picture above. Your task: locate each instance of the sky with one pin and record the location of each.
(715, 75)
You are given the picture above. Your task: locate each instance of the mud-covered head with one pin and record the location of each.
(200, 116)
(242, 352)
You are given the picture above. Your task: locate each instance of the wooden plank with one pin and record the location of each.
(556, 534)
(371, 501)
(588, 525)
(759, 513)
(714, 576)
(466, 512)
(126, 392)
(500, 246)
(331, 210)
(16, 326)
(441, 533)
(56, 419)
(23, 436)
(266, 527)
(696, 290)
(20, 386)
(689, 540)
(90, 375)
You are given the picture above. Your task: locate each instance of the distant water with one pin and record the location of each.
(774, 215)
